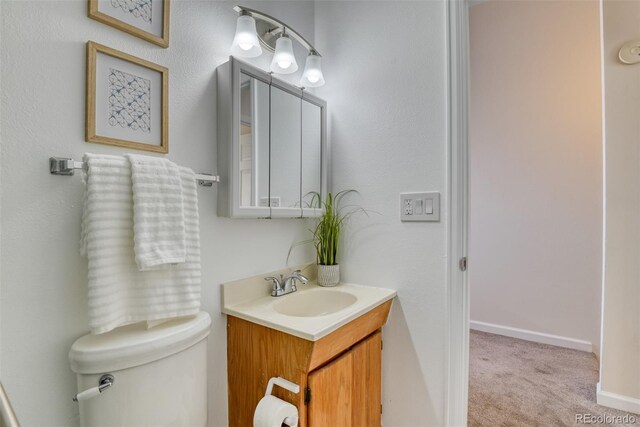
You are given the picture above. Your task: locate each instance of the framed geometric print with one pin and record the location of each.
(147, 19)
(127, 100)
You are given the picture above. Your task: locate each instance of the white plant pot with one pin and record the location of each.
(328, 275)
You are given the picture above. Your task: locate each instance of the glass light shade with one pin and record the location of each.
(312, 76)
(284, 62)
(245, 43)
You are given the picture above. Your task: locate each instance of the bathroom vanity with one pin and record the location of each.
(326, 340)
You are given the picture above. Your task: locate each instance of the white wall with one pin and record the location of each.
(385, 67)
(620, 363)
(536, 166)
(43, 276)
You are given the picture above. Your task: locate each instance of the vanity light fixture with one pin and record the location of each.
(312, 76)
(277, 37)
(284, 61)
(245, 43)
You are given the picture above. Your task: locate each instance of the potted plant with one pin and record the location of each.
(326, 236)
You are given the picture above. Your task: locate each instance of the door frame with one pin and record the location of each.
(458, 204)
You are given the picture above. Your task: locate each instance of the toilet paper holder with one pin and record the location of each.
(286, 384)
(268, 399)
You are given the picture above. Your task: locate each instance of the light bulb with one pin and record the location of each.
(284, 61)
(245, 43)
(312, 75)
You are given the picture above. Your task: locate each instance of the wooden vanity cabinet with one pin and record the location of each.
(339, 375)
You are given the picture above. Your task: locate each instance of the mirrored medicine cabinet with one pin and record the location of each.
(271, 145)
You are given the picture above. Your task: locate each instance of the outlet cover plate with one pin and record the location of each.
(415, 207)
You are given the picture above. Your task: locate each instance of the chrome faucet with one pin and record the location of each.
(280, 284)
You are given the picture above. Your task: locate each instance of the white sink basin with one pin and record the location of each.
(319, 302)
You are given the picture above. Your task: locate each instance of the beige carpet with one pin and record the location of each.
(519, 383)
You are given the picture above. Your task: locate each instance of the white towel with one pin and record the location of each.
(158, 214)
(118, 292)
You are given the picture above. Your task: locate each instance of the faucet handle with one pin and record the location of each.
(277, 285)
(273, 279)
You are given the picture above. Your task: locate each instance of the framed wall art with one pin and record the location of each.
(127, 100)
(147, 19)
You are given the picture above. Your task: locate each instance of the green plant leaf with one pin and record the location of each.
(325, 237)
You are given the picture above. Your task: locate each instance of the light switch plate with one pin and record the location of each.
(420, 206)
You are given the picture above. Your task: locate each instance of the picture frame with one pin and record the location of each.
(146, 19)
(126, 101)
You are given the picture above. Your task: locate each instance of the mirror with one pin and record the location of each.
(254, 142)
(271, 146)
(311, 156)
(284, 185)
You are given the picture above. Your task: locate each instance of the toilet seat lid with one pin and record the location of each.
(135, 345)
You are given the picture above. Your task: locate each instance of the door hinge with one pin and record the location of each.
(463, 263)
(307, 395)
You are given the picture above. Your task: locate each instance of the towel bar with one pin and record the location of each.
(66, 166)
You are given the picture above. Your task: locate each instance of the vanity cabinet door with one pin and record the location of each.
(331, 393)
(367, 383)
(348, 391)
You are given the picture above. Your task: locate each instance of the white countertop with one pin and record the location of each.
(259, 308)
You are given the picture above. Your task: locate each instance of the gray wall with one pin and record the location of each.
(620, 363)
(385, 67)
(535, 140)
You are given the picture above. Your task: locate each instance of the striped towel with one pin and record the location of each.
(119, 293)
(158, 215)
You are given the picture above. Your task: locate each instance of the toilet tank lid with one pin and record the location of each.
(135, 345)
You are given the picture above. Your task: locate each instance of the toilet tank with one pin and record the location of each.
(160, 374)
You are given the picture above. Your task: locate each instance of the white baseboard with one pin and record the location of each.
(618, 401)
(539, 337)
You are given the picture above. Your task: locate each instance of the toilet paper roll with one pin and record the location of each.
(273, 412)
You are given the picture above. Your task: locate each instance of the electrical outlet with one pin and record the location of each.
(408, 207)
(420, 206)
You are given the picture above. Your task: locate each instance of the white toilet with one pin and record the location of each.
(159, 375)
